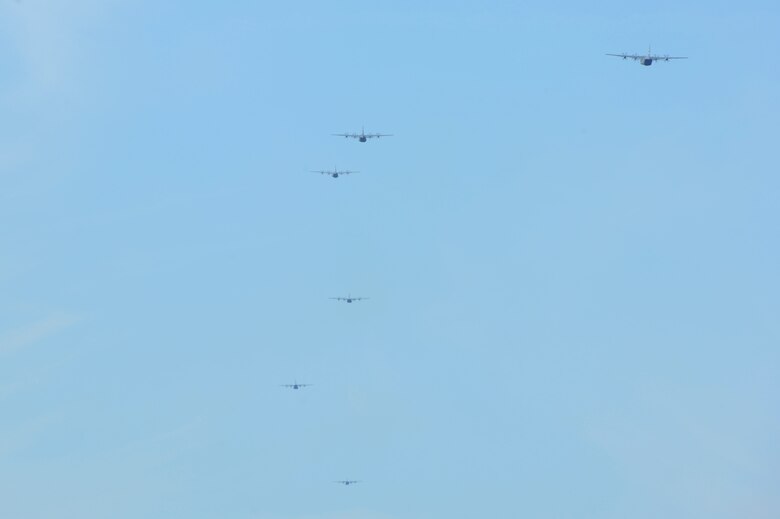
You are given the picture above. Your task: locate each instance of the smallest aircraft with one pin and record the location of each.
(295, 385)
(648, 58)
(362, 136)
(348, 482)
(348, 299)
(336, 173)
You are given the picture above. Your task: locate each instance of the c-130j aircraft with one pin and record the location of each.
(362, 136)
(648, 58)
(336, 173)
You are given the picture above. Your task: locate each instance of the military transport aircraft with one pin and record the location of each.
(648, 58)
(348, 482)
(295, 385)
(362, 136)
(348, 299)
(336, 173)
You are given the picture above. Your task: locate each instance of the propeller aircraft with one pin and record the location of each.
(295, 385)
(348, 299)
(362, 136)
(648, 58)
(336, 173)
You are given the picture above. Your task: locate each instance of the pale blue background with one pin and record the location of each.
(572, 260)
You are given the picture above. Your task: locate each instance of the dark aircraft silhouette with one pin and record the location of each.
(295, 385)
(348, 299)
(348, 482)
(362, 136)
(648, 58)
(336, 173)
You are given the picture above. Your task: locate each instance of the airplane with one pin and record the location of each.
(296, 385)
(348, 299)
(647, 59)
(335, 173)
(348, 482)
(362, 136)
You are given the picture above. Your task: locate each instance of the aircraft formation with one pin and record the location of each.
(643, 59)
(349, 298)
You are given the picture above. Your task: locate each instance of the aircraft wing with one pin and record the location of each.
(377, 135)
(667, 58)
(352, 135)
(627, 56)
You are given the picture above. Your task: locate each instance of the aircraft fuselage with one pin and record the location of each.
(646, 62)
(362, 138)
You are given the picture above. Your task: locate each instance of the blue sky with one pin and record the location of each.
(572, 260)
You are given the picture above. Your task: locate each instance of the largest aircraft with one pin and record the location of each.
(362, 136)
(647, 59)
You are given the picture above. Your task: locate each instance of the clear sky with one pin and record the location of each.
(573, 260)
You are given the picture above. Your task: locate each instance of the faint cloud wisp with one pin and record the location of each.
(34, 333)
